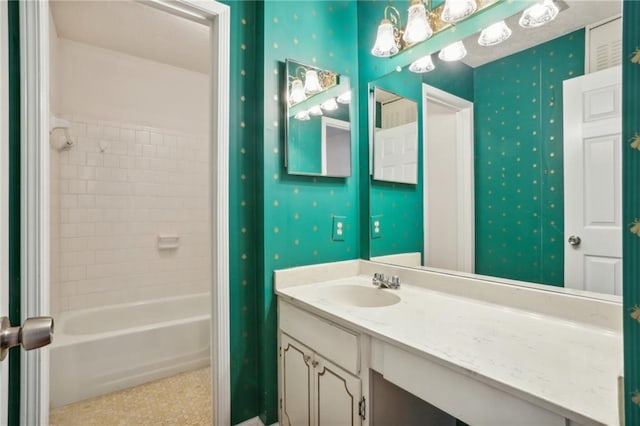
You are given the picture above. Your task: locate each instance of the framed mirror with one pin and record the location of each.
(509, 194)
(317, 124)
(394, 128)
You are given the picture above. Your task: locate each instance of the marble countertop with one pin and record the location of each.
(569, 366)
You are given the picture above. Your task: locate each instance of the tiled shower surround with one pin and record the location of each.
(118, 188)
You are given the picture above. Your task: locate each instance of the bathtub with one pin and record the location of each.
(102, 350)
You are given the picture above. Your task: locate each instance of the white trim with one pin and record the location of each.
(330, 122)
(465, 171)
(34, 205)
(4, 196)
(34, 36)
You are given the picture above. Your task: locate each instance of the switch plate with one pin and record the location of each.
(339, 228)
(376, 226)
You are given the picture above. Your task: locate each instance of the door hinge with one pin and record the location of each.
(281, 403)
(362, 408)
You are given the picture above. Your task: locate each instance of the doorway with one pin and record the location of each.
(36, 125)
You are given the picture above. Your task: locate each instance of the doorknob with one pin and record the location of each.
(34, 333)
(574, 240)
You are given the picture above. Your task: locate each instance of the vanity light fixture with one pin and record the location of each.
(539, 14)
(297, 92)
(302, 116)
(345, 98)
(388, 37)
(453, 52)
(315, 110)
(457, 10)
(418, 27)
(330, 105)
(494, 34)
(422, 65)
(311, 82)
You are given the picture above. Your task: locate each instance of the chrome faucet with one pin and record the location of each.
(380, 281)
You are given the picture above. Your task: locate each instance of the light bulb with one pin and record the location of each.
(297, 92)
(345, 98)
(418, 28)
(453, 52)
(424, 64)
(494, 34)
(385, 44)
(302, 116)
(330, 105)
(315, 110)
(311, 82)
(457, 10)
(539, 14)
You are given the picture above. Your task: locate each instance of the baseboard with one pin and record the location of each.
(254, 422)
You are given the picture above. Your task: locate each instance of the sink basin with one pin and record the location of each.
(362, 297)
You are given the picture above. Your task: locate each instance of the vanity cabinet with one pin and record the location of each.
(319, 372)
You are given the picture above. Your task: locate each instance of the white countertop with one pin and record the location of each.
(569, 366)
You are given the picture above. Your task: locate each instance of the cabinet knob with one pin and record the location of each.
(315, 363)
(307, 358)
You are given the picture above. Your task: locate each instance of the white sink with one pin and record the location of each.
(362, 297)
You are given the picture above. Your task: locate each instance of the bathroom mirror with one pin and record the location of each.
(518, 228)
(394, 129)
(317, 125)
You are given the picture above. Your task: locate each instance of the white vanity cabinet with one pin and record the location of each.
(319, 382)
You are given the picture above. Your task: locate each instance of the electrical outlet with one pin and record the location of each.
(376, 226)
(339, 228)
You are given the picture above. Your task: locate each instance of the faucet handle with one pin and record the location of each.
(395, 281)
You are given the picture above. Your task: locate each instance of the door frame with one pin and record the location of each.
(465, 173)
(34, 62)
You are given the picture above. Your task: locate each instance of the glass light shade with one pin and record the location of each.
(345, 98)
(424, 64)
(418, 28)
(297, 94)
(330, 105)
(494, 34)
(311, 82)
(539, 14)
(315, 110)
(457, 10)
(385, 44)
(453, 52)
(302, 116)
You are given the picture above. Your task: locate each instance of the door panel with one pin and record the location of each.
(338, 395)
(296, 377)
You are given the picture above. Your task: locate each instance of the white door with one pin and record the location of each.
(396, 154)
(593, 182)
(337, 395)
(296, 378)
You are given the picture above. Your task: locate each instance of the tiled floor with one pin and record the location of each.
(184, 399)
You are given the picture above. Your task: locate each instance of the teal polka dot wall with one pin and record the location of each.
(518, 161)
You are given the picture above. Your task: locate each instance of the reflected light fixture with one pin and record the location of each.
(330, 105)
(315, 110)
(345, 98)
(311, 82)
(302, 116)
(424, 64)
(453, 52)
(457, 10)
(418, 27)
(297, 92)
(494, 34)
(388, 36)
(539, 14)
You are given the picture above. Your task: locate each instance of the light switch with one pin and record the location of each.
(376, 226)
(339, 228)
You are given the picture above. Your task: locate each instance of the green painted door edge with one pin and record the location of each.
(14, 204)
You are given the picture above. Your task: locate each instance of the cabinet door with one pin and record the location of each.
(295, 378)
(337, 395)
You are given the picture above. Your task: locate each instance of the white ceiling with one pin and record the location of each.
(578, 14)
(134, 29)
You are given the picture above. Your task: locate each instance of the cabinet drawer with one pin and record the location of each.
(331, 341)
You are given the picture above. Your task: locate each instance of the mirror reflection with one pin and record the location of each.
(317, 125)
(395, 138)
(536, 196)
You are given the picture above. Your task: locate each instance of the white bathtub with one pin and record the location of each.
(97, 351)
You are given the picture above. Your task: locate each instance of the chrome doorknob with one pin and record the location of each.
(35, 333)
(574, 240)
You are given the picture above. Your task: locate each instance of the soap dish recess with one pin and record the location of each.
(168, 242)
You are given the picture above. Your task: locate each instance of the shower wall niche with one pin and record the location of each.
(138, 169)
